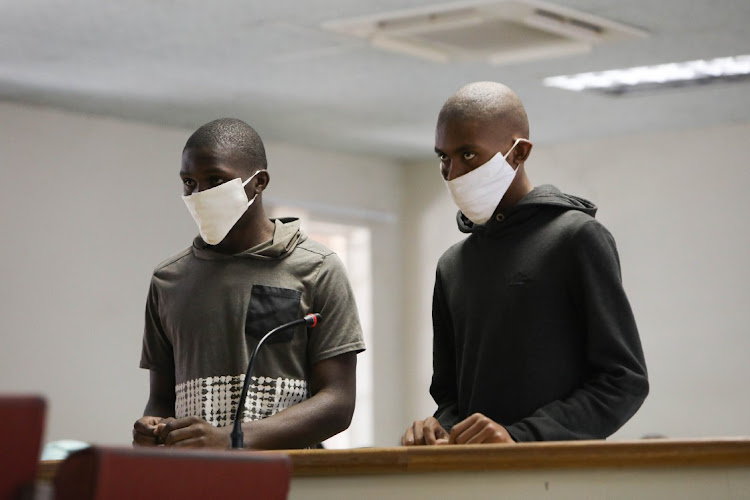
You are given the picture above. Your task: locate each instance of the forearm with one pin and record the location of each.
(305, 424)
(158, 410)
(160, 406)
(161, 397)
(594, 411)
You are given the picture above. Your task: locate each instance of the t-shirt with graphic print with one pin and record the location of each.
(206, 312)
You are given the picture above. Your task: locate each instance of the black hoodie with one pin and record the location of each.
(532, 327)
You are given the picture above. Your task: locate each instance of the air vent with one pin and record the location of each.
(498, 32)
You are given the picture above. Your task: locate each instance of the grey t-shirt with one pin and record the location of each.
(207, 311)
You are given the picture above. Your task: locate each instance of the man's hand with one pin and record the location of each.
(427, 431)
(194, 432)
(478, 429)
(145, 431)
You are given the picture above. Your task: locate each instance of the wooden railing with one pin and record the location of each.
(647, 453)
(548, 455)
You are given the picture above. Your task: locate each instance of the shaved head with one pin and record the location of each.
(491, 103)
(231, 138)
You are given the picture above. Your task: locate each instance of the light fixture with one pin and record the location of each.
(622, 81)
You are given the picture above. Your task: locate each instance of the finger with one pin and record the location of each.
(428, 431)
(475, 426)
(442, 441)
(418, 432)
(194, 442)
(144, 426)
(483, 430)
(182, 434)
(143, 434)
(467, 422)
(470, 434)
(145, 431)
(170, 424)
(144, 439)
(482, 435)
(462, 426)
(440, 432)
(408, 438)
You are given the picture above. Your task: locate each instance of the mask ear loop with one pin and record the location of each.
(248, 180)
(251, 177)
(513, 146)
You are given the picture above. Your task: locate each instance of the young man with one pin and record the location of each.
(534, 338)
(208, 307)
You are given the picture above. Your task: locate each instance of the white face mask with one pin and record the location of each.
(478, 193)
(218, 209)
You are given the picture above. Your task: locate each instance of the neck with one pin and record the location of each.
(251, 230)
(520, 187)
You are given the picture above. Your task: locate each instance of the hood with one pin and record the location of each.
(540, 197)
(286, 236)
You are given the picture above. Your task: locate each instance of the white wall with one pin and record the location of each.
(677, 204)
(89, 206)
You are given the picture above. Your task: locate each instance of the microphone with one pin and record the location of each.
(237, 437)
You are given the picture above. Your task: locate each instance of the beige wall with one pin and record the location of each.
(677, 205)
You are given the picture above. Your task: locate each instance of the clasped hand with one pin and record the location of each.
(189, 432)
(476, 429)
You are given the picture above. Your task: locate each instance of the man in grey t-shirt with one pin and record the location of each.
(208, 307)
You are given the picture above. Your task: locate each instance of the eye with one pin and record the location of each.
(188, 183)
(215, 181)
(442, 156)
(469, 156)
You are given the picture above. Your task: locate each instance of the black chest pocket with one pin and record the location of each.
(271, 307)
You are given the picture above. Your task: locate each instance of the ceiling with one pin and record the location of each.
(184, 62)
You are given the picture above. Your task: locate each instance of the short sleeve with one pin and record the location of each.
(339, 330)
(156, 353)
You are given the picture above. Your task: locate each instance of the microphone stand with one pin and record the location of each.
(237, 436)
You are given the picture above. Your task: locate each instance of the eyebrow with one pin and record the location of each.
(462, 147)
(208, 170)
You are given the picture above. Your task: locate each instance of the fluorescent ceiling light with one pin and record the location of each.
(620, 81)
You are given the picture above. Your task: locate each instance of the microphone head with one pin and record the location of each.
(312, 319)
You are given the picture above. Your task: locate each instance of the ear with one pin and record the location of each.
(521, 152)
(261, 181)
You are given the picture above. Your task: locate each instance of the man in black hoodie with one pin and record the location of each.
(534, 338)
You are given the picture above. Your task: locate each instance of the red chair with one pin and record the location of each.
(99, 473)
(21, 428)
